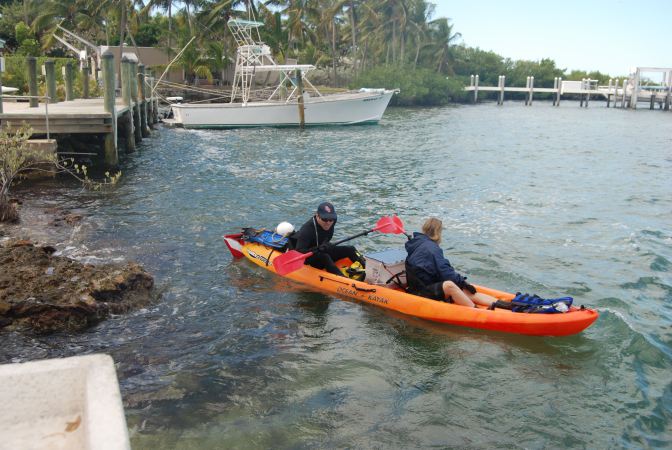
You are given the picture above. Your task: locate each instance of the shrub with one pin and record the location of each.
(419, 87)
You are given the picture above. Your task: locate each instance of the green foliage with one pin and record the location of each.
(150, 32)
(22, 32)
(10, 15)
(417, 87)
(487, 64)
(16, 75)
(543, 71)
(28, 45)
(578, 75)
(17, 158)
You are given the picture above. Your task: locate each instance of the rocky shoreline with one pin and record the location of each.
(44, 293)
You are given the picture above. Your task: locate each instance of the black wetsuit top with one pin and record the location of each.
(311, 235)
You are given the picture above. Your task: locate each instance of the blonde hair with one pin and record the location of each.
(432, 229)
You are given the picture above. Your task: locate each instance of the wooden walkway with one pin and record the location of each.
(102, 126)
(630, 93)
(75, 116)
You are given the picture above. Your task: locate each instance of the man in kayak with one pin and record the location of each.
(315, 235)
(430, 274)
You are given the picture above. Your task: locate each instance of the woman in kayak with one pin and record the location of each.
(430, 274)
(315, 235)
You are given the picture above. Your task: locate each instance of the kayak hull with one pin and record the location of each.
(562, 324)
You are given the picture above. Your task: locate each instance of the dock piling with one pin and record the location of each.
(588, 91)
(299, 87)
(474, 83)
(502, 82)
(634, 97)
(85, 81)
(111, 155)
(142, 92)
(583, 86)
(555, 87)
(148, 97)
(50, 74)
(127, 98)
(67, 77)
(136, 105)
(31, 64)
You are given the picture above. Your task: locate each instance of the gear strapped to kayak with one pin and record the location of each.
(526, 303)
(265, 237)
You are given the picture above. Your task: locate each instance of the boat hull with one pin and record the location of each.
(336, 109)
(572, 322)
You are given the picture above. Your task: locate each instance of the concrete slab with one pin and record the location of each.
(69, 403)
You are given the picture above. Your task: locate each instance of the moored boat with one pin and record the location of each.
(395, 298)
(281, 108)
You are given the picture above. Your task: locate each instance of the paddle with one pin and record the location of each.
(292, 260)
(397, 221)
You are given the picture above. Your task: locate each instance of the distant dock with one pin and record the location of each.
(626, 94)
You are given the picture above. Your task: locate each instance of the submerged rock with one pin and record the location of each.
(48, 293)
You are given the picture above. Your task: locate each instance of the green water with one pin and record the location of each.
(555, 201)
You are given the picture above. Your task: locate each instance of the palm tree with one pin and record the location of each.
(165, 5)
(442, 36)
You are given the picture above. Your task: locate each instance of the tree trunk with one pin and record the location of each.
(394, 42)
(333, 52)
(170, 28)
(417, 55)
(25, 14)
(354, 38)
(191, 27)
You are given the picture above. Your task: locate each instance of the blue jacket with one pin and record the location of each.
(428, 263)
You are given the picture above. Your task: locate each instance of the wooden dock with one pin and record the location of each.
(629, 92)
(74, 116)
(119, 122)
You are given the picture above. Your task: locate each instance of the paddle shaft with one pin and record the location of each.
(363, 233)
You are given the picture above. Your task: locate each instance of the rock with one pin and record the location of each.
(47, 293)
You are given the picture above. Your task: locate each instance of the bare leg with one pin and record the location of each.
(481, 299)
(451, 290)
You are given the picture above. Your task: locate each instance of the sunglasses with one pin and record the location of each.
(326, 220)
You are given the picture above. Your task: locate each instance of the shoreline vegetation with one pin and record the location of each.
(353, 44)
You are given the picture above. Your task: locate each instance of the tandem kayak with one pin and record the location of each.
(395, 298)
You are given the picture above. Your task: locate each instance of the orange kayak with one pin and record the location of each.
(560, 324)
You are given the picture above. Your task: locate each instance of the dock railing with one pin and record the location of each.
(38, 97)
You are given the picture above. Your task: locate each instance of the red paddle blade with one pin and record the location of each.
(400, 225)
(388, 225)
(290, 261)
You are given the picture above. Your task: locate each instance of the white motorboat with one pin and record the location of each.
(282, 106)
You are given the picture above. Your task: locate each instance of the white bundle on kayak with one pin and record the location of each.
(284, 229)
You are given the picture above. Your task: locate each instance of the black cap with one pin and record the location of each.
(326, 211)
